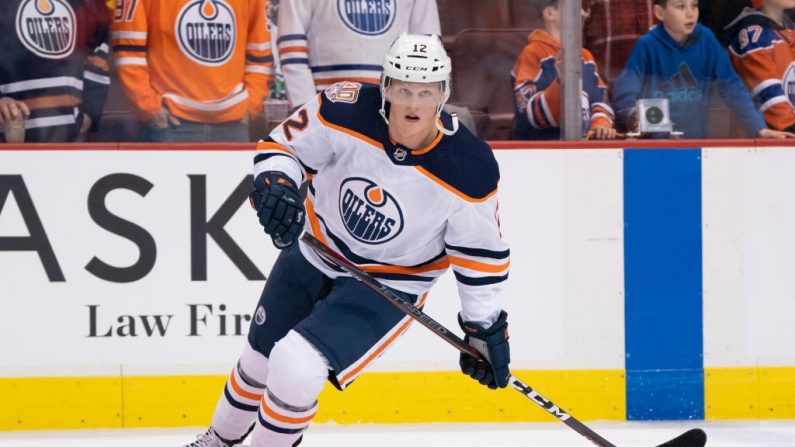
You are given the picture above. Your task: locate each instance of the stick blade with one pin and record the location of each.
(691, 438)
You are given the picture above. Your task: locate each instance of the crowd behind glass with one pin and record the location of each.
(229, 70)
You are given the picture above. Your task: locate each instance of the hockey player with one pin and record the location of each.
(396, 188)
(54, 68)
(762, 52)
(324, 42)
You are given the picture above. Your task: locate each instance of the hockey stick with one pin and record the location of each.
(691, 438)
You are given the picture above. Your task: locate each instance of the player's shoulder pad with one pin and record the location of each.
(465, 163)
(352, 105)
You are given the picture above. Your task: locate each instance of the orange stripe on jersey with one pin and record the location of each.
(314, 222)
(357, 135)
(46, 102)
(437, 265)
(285, 419)
(240, 390)
(99, 62)
(479, 266)
(267, 145)
(430, 146)
(453, 190)
(298, 49)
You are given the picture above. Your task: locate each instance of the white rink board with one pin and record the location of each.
(749, 257)
(561, 212)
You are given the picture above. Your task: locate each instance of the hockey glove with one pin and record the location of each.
(279, 207)
(493, 344)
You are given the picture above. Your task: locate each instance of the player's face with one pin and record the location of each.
(412, 113)
(679, 17)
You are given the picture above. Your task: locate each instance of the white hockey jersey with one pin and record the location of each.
(402, 215)
(322, 42)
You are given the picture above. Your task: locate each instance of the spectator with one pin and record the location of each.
(681, 60)
(57, 79)
(324, 42)
(762, 53)
(611, 29)
(193, 71)
(536, 85)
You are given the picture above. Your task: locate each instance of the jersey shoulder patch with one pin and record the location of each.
(353, 106)
(754, 37)
(466, 164)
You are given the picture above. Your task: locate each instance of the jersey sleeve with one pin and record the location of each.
(536, 89)
(129, 42)
(259, 57)
(479, 257)
(752, 55)
(96, 72)
(425, 18)
(298, 146)
(600, 111)
(294, 19)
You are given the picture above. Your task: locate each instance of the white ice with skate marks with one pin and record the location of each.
(622, 434)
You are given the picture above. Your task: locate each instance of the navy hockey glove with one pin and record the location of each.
(279, 207)
(493, 344)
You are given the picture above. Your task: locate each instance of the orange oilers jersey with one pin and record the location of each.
(763, 53)
(403, 215)
(206, 60)
(537, 91)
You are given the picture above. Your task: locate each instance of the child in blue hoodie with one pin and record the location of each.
(680, 60)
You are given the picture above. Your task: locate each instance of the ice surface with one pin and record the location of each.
(626, 434)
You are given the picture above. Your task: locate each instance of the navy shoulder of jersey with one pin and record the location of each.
(464, 162)
(355, 109)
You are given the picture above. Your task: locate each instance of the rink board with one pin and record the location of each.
(646, 283)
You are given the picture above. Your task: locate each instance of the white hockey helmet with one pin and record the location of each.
(418, 58)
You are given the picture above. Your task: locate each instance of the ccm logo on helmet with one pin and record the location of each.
(416, 68)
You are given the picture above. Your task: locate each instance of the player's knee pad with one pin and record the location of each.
(253, 367)
(297, 371)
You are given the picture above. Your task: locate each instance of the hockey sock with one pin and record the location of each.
(280, 424)
(237, 408)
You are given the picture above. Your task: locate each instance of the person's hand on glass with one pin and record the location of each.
(601, 133)
(777, 134)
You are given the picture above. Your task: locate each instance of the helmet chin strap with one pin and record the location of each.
(447, 132)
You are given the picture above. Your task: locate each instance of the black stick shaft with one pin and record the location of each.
(437, 328)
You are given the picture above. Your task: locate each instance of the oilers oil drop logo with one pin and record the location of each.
(368, 17)
(369, 212)
(47, 28)
(206, 31)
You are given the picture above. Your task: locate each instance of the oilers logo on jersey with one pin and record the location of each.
(47, 27)
(369, 212)
(206, 30)
(368, 17)
(259, 316)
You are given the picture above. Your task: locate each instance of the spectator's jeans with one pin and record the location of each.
(188, 131)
